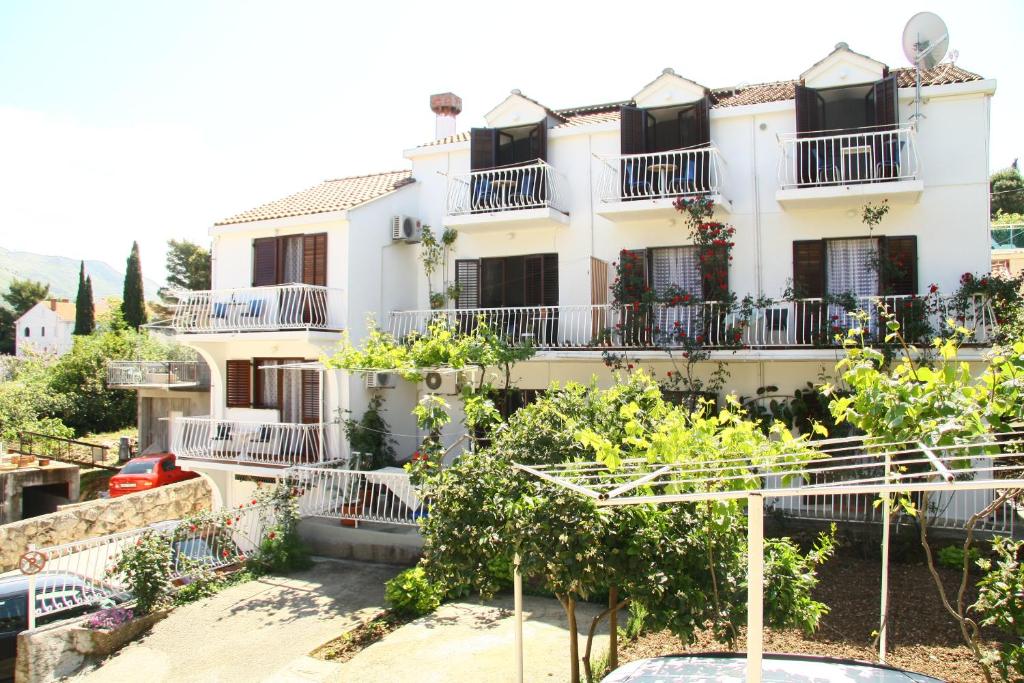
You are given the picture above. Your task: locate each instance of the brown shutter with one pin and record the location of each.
(702, 120)
(886, 114)
(238, 384)
(550, 280)
(310, 396)
(314, 259)
(900, 273)
(808, 109)
(632, 130)
(467, 276)
(264, 262)
(492, 282)
(533, 281)
(483, 148)
(539, 141)
(809, 269)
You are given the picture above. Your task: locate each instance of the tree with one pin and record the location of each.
(188, 265)
(24, 294)
(85, 314)
(133, 306)
(1007, 188)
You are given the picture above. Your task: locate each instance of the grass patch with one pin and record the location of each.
(348, 645)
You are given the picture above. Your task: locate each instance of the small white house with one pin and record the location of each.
(47, 327)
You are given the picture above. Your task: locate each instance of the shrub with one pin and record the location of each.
(281, 551)
(110, 618)
(146, 570)
(1001, 604)
(952, 556)
(411, 594)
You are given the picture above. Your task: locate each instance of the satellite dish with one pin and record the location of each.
(925, 40)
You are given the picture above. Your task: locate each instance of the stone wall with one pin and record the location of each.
(102, 517)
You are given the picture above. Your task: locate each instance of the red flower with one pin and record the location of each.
(629, 366)
(223, 553)
(669, 373)
(271, 535)
(253, 501)
(191, 527)
(933, 289)
(228, 522)
(700, 339)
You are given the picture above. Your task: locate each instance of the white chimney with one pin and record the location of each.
(446, 106)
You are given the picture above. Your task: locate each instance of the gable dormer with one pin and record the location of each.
(845, 92)
(669, 113)
(667, 90)
(844, 67)
(519, 110)
(516, 133)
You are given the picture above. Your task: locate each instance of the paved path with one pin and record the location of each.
(258, 631)
(471, 643)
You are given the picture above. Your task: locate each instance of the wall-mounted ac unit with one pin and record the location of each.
(440, 383)
(406, 228)
(379, 380)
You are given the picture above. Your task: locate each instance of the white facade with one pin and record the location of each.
(942, 201)
(45, 329)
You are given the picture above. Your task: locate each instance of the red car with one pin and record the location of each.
(147, 472)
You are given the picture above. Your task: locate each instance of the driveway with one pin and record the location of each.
(258, 631)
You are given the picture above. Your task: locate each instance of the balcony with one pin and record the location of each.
(780, 324)
(165, 374)
(259, 309)
(529, 196)
(1007, 236)
(268, 444)
(644, 186)
(822, 169)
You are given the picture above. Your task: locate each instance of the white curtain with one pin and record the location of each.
(292, 260)
(679, 266)
(852, 266)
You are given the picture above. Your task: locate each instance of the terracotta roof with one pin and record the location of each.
(738, 96)
(330, 195)
(65, 308)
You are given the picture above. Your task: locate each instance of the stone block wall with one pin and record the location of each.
(102, 517)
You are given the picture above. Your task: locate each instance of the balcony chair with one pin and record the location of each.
(634, 180)
(219, 312)
(525, 193)
(221, 439)
(889, 154)
(820, 168)
(263, 442)
(483, 195)
(254, 308)
(684, 180)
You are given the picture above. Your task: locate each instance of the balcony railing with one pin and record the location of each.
(847, 158)
(773, 324)
(134, 374)
(252, 309)
(384, 496)
(532, 186)
(1008, 237)
(255, 443)
(676, 173)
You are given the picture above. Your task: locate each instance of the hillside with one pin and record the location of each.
(61, 273)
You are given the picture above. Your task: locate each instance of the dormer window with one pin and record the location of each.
(664, 129)
(846, 108)
(497, 147)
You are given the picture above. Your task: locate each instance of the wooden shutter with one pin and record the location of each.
(886, 113)
(808, 109)
(310, 396)
(238, 384)
(533, 281)
(314, 259)
(809, 268)
(702, 120)
(632, 130)
(550, 280)
(492, 282)
(264, 261)
(539, 141)
(900, 273)
(467, 276)
(483, 148)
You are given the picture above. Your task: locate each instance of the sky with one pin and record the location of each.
(149, 121)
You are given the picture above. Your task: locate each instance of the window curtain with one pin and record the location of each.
(852, 267)
(267, 383)
(291, 410)
(292, 261)
(677, 266)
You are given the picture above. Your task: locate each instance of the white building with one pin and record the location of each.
(545, 201)
(47, 328)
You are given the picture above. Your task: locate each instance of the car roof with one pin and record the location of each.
(730, 667)
(151, 456)
(13, 585)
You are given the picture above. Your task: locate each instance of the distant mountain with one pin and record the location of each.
(61, 273)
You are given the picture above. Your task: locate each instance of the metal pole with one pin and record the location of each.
(320, 411)
(883, 610)
(755, 586)
(517, 587)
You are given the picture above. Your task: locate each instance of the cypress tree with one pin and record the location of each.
(133, 306)
(90, 310)
(83, 304)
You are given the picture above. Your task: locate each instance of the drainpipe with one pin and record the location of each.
(758, 261)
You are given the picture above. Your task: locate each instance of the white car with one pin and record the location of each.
(730, 667)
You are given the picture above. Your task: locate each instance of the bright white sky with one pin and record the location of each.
(150, 120)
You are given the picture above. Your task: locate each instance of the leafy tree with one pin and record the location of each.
(134, 304)
(1007, 188)
(85, 314)
(27, 404)
(370, 436)
(188, 265)
(6, 331)
(24, 294)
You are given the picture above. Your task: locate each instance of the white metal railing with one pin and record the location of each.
(163, 373)
(778, 323)
(674, 173)
(83, 572)
(385, 496)
(245, 309)
(530, 186)
(265, 443)
(848, 157)
(1008, 236)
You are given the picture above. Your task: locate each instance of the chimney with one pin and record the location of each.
(53, 304)
(447, 106)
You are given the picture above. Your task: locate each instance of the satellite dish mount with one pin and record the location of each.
(925, 41)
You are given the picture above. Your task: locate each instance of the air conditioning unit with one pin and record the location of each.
(379, 380)
(406, 228)
(440, 383)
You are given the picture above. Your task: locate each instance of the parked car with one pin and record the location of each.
(210, 546)
(731, 667)
(147, 472)
(58, 596)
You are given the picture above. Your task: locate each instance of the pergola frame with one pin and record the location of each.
(983, 463)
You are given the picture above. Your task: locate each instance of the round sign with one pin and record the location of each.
(32, 562)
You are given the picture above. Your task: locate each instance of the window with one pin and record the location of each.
(42, 332)
(293, 392)
(859, 266)
(290, 259)
(851, 266)
(495, 147)
(665, 128)
(507, 282)
(677, 267)
(846, 108)
(28, 332)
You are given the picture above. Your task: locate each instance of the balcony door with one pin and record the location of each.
(525, 286)
(293, 259)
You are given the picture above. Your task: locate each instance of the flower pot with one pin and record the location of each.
(350, 509)
(43, 462)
